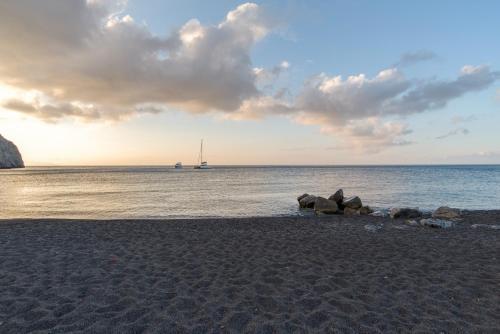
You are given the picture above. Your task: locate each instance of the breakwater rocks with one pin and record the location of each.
(337, 203)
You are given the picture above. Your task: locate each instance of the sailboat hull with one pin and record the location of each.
(202, 167)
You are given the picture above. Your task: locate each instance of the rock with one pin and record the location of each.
(351, 212)
(445, 212)
(307, 202)
(9, 155)
(493, 227)
(372, 228)
(411, 222)
(338, 197)
(352, 202)
(365, 210)
(302, 196)
(323, 205)
(380, 213)
(439, 223)
(405, 213)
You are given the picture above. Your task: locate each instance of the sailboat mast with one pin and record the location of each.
(201, 152)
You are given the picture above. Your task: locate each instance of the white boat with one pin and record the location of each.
(202, 164)
(178, 165)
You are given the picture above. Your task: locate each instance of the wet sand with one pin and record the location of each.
(263, 275)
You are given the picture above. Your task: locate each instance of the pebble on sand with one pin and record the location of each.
(439, 223)
(445, 212)
(406, 213)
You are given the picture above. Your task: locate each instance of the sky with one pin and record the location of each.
(94, 82)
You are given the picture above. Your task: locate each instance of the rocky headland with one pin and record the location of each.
(10, 157)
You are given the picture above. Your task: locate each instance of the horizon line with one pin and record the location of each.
(264, 165)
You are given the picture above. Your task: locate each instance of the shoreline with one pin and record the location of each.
(306, 214)
(264, 274)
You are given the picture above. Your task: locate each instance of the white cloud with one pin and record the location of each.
(91, 55)
(335, 104)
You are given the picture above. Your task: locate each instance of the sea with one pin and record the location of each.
(236, 191)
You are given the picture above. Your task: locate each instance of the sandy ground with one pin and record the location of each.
(262, 275)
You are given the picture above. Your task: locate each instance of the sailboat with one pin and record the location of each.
(178, 165)
(202, 164)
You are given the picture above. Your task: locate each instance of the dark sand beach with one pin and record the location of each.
(258, 275)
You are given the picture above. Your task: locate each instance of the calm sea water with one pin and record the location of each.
(156, 192)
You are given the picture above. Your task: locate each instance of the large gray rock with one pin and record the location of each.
(302, 196)
(352, 203)
(445, 212)
(437, 223)
(323, 205)
(338, 197)
(406, 213)
(365, 210)
(9, 155)
(308, 201)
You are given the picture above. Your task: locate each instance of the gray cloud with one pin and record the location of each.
(436, 94)
(411, 58)
(54, 111)
(79, 52)
(460, 131)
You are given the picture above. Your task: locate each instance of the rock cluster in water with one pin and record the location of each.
(9, 155)
(336, 203)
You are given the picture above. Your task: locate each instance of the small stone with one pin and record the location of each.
(411, 222)
(352, 202)
(380, 213)
(372, 228)
(365, 210)
(405, 213)
(493, 227)
(445, 212)
(439, 223)
(351, 212)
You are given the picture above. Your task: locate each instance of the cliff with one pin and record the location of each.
(9, 155)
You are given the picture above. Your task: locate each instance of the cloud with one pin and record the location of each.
(337, 100)
(388, 93)
(268, 76)
(89, 54)
(464, 119)
(91, 61)
(335, 103)
(433, 94)
(411, 58)
(370, 135)
(460, 131)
